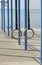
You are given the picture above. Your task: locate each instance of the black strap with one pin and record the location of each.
(28, 16)
(16, 13)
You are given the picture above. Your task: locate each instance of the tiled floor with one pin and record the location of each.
(13, 54)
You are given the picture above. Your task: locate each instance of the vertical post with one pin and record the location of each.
(11, 15)
(41, 31)
(8, 16)
(19, 20)
(2, 14)
(25, 24)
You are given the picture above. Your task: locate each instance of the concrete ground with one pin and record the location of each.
(13, 54)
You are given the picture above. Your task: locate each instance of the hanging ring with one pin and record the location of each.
(12, 36)
(32, 33)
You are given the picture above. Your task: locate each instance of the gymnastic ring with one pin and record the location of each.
(14, 36)
(32, 32)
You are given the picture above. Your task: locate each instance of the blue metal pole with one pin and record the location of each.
(25, 24)
(19, 20)
(8, 16)
(41, 31)
(2, 14)
(11, 15)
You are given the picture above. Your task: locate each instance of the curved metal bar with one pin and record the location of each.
(30, 36)
(14, 36)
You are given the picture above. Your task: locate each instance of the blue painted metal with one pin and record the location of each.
(11, 15)
(25, 23)
(2, 14)
(19, 20)
(8, 15)
(41, 31)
